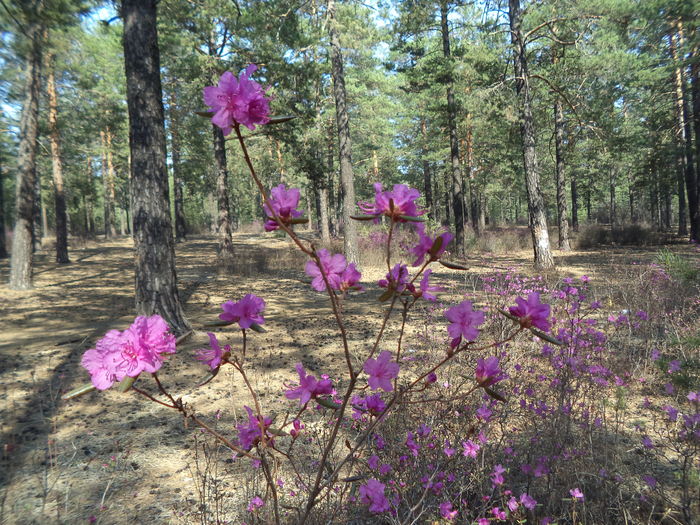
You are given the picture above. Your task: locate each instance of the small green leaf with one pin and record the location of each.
(353, 478)
(77, 392)
(126, 384)
(546, 337)
(210, 375)
(257, 328)
(409, 218)
(205, 114)
(453, 266)
(365, 217)
(280, 120)
(220, 323)
(183, 337)
(494, 394)
(327, 403)
(508, 315)
(435, 248)
(386, 296)
(299, 221)
(277, 431)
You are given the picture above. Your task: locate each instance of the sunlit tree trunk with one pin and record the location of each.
(561, 178)
(3, 240)
(427, 183)
(180, 234)
(156, 279)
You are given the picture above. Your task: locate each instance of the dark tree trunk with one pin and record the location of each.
(427, 183)
(482, 211)
(473, 205)
(630, 187)
(331, 209)
(561, 178)
(156, 280)
(3, 240)
(574, 203)
(347, 178)
(105, 185)
(38, 214)
(538, 221)
(91, 215)
(310, 224)
(224, 220)
(59, 195)
(86, 224)
(22, 245)
(691, 183)
(213, 228)
(456, 189)
(613, 216)
(180, 234)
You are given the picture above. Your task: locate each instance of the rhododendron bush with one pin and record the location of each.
(499, 394)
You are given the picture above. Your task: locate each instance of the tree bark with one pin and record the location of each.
(690, 173)
(105, 185)
(156, 279)
(574, 203)
(330, 191)
(472, 179)
(427, 183)
(91, 215)
(347, 177)
(224, 218)
(538, 221)
(59, 195)
(38, 214)
(456, 189)
(3, 240)
(564, 244)
(180, 233)
(22, 244)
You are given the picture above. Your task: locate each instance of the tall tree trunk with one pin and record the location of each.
(684, 159)
(110, 170)
(564, 244)
(39, 215)
(456, 189)
(59, 195)
(347, 177)
(325, 232)
(613, 216)
(224, 222)
(691, 182)
(22, 248)
(538, 221)
(472, 178)
(310, 224)
(330, 191)
(180, 234)
(630, 188)
(156, 279)
(91, 215)
(3, 240)
(574, 203)
(105, 184)
(213, 228)
(86, 223)
(482, 210)
(427, 183)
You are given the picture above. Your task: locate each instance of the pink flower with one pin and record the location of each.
(243, 102)
(647, 442)
(333, 267)
(245, 312)
(528, 501)
(497, 475)
(650, 481)
(470, 448)
(212, 357)
(487, 372)
(381, 371)
(250, 434)
(349, 278)
(375, 405)
(308, 387)
(372, 494)
(464, 322)
(403, 198)
(447, 512)
(284, 204)
(577, 494)
(425, 287)
(513, 504)
(396, 278)
(500, 515)
(483, 521)
(256, 502)
(531, 312)
(373, 462)
(425, 243)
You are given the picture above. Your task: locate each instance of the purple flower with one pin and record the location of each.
(333, 267)
(349, 277)
(306, 389)
(425, 243)
(447, 512)
(674, 366)
(577, 494)
(375, 405)
(238, 101)
(642, 315)
(669, 389)
(425, 287)
(513, 504)
(470, 448)
(211, 357)
(655, 355)
(464, 322)
(694, 397)
(404, 203)
(497, 475)
(527, 501)
(384, 469)
(372, 494)
(284, 204)
(373, 462)
(650, 481)
(672, 412)
(381, 371)
(531, 312)
(647, 442)
(487, 372)
(397, 277)
(245, 312)
(250, 434)
(255, 503)
(432, 377)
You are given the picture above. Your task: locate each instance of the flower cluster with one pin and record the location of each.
(308, 387)
(284, 203)
(403, 199)
(426, 243)
(140, 348)
(531, 312)
(464, 322)
(249, 435)
(341, 275)
(212, 357)
(246, 312)
(239, 101)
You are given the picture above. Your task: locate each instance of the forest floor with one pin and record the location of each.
(123, 459)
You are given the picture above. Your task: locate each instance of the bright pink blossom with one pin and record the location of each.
(425, 243)
(284, 203)
(381, 371)
(238, 101)
(528, 501)
(426, 288)
(404, 203)
(255, 503)
(577, 494)
(308, 387)
(249, 435)
(333, 267)
(487, 372)
(447, 512)
(349, 278)
(372, 494)
(396, 278)
(464, 322)
(470, 448)
(212, 357)
(245, 312)
(531, 312)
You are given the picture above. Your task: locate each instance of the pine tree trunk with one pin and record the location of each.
(39, 214)
(22, 245)
(156, 279)
(59, 195)
(177, 177)
(538, 221)
(224, 219)
(574, 203)
(110, 171)
(691, 182)
(630, 187)
(105, 184)
(472, 179)
(213, 228)
(325, 232)
(310, 224)
(456, 186)
(91, 215)
(427, 183)
(347, 178)
(564, 244)
(3, 240)
(330, 191)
